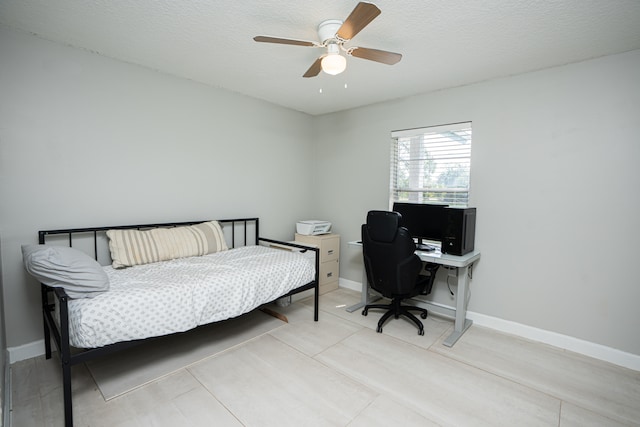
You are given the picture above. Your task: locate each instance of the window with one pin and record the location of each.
(431, 165)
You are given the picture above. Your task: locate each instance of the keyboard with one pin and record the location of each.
(426, 248)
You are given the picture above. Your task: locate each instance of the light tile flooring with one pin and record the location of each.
(340, 372)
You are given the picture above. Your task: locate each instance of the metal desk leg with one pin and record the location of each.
(461, 322)
(365, 298)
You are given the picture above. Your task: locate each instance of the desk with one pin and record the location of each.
(462, 265)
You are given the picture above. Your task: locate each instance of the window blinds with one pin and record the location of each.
(431, 165)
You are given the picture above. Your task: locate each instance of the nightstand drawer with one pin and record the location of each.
(329, 271)
(329, 245)
(330, 249)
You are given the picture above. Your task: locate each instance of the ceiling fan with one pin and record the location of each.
(333, 34)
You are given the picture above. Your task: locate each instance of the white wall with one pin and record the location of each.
(87, 141)
(554, 177)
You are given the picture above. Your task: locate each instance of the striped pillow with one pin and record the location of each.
(134, 247)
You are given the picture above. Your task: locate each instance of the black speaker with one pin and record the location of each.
(458, 231)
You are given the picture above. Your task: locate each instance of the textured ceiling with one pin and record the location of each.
(445, 43)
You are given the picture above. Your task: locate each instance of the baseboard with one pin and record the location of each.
(565, 342)
(350, 284)
(26, 351)
(587, 348)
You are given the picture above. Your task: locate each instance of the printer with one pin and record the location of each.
(311, 227)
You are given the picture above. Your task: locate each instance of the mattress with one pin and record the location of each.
(177, 295)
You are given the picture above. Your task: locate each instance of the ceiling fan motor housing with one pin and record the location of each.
(327, 30)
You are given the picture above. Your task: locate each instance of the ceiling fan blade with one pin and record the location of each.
(315, 68)
(382, 56)
(267, 39)
(360, 17)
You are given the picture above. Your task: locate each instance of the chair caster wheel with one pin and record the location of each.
(421, 332)
(365, 312)
(379, 330)
(423, 315)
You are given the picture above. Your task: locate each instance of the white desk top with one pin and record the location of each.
(438, 257)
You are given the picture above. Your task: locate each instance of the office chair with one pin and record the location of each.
(392, 266)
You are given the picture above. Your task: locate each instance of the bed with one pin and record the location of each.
(159, 280)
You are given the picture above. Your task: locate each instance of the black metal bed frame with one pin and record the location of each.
(61, 335)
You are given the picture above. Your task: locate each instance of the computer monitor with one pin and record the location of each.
(423, 221)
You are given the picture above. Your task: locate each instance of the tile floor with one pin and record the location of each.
(340, 372)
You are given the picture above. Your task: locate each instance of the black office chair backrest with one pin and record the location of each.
(389, 254)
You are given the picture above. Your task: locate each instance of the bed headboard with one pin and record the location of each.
(93, 240)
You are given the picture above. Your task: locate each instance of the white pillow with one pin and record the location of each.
(59, 266)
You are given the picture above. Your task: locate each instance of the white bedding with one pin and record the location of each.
(178, 295)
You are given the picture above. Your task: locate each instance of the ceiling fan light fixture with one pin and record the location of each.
(333, 34)
(334, 64)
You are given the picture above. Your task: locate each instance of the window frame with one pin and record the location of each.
(432, 148)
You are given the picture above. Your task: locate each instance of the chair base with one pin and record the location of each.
(396, 309)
